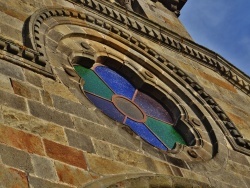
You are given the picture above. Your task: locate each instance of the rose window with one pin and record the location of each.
(116, 97)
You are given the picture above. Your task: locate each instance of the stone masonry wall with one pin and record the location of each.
(52, 136)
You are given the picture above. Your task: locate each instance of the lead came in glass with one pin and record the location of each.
(128, 107)
(93, 83)
(106, 107)
(144, 132)
(121, 101)
(116, 82)
(152, 108)
(166, 133)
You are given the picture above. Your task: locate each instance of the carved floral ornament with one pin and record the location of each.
(81, 36)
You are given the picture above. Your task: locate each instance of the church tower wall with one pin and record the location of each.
(52, 135)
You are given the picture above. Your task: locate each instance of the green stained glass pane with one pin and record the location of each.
(166, 133)
(93, 83)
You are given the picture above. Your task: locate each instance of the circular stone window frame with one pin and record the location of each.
(191, 129)
(185, 93)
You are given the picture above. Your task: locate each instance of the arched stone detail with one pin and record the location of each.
(207, 114)
(145, 180)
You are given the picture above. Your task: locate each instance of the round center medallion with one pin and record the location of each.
(128, 108)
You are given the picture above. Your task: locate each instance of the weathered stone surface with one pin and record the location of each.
(239, 158)
(132, 158)
(80, 141)
(5, 83)
(101, 133)
(33, 125)
(46, 98)
(65, 78)
(176, 171)
(58, 89)
(69, 106)
(41, 111)
(18, 9)
(108, 166)
(218, 82)
(117, 150)
(12, 101)
(247, 181)
(65, 154)
(12, 178)
(162, 167)
(195, 176)
(21, 140)
(217, 183)
(177, 162)
(16, 158)
(103, 148)
(63, 3)
(72, 175)
(25, 90)
(44, 168)
(35, 182)
(33, 78)
(231, 178)
(11, 21)
(243, 170)
(188, 183)
(11, 70)
(11, 32)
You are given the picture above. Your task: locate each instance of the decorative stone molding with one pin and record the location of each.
(24, 57)
(47, 18)
(172, 41)
(146, 180)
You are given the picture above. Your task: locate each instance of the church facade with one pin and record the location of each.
(115, 93)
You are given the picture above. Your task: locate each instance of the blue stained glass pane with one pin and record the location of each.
(141, 130)
(106, 107)
(152, 108)
(116, 82)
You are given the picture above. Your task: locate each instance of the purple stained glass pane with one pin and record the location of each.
(106, 107)
(141, 130)
(152, 108)
(116, 82)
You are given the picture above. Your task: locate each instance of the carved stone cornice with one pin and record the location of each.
(25, 57)
(169, 39)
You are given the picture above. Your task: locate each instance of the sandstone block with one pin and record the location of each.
(25, 90)
(33, 125)
(21, 140)
(16, 158)
(65, 154)
(11, 178)
(103, 148)
(72, 175)
(103, 166)
(41, 111)
(44, 168)
(41, 183)
(80, 141)
(12, 101)
(33, 78)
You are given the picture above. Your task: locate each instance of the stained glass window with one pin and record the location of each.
(115, 96)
